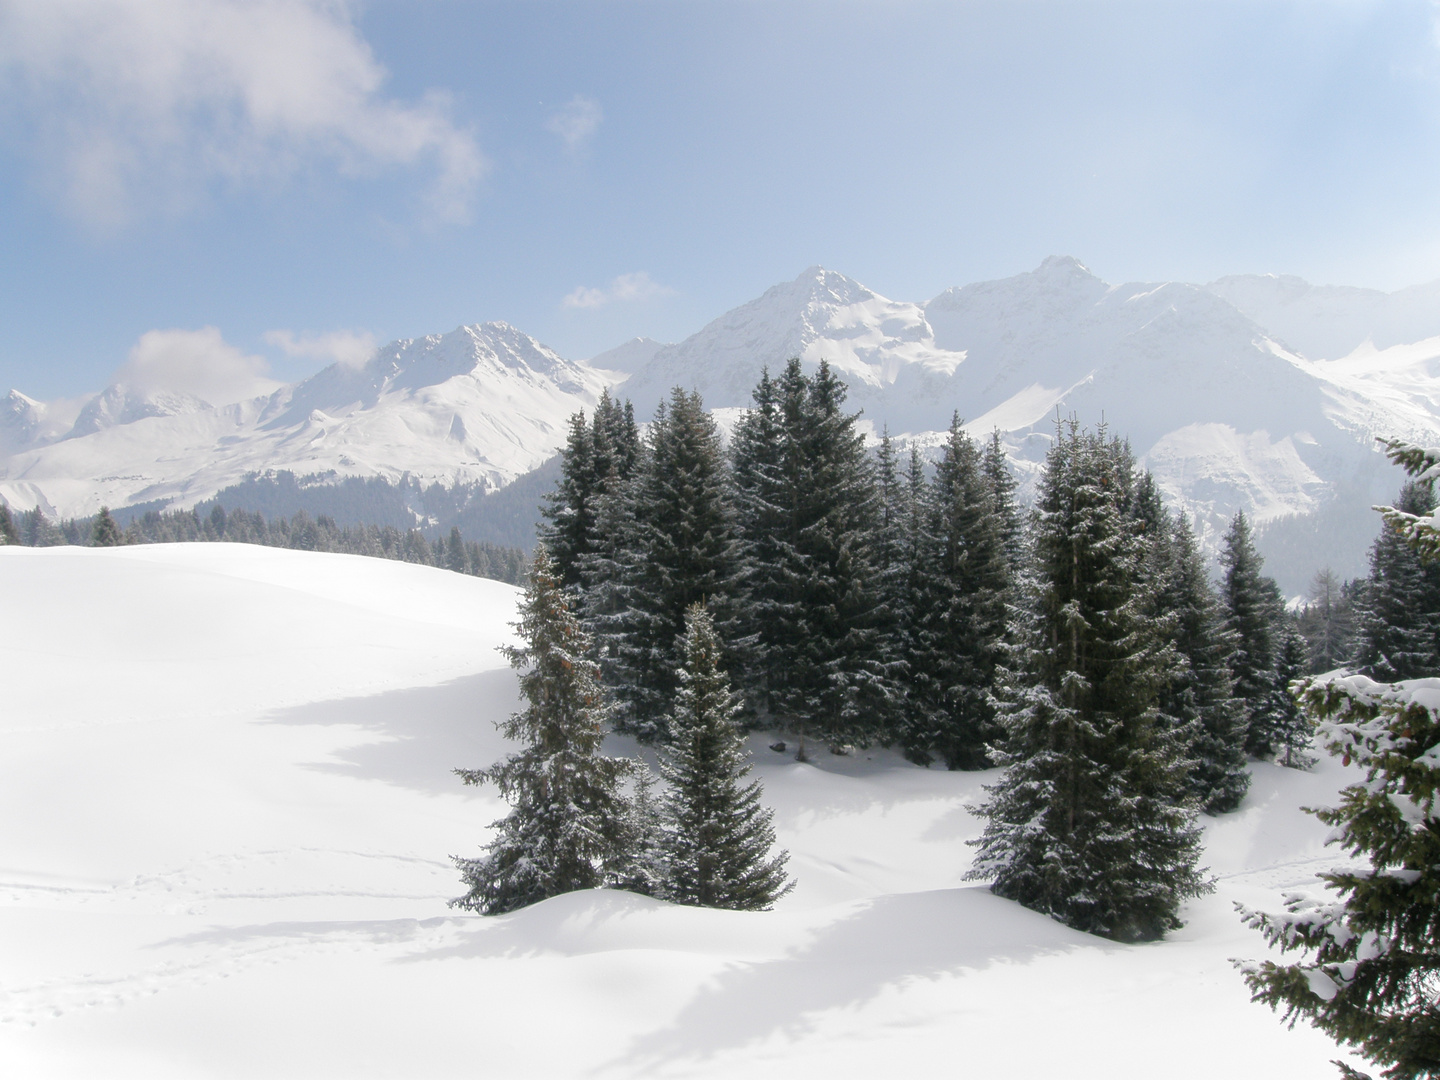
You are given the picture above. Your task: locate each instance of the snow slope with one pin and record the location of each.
(225, 782)
(1224, 412)
(481, 404)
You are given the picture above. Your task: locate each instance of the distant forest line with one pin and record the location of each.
(360, 516)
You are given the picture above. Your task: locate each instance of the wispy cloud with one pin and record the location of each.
(346, 347)
(196, 362)
(624, 289)
(576, 121)
(136, 105)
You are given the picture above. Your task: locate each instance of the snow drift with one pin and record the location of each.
(226, 782)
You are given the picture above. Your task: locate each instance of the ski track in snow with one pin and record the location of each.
(259, 888)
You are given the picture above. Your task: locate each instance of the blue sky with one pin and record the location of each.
(307, 177)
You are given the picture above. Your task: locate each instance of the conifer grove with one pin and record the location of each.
(692, 585)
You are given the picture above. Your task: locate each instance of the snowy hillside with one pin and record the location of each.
(225, 771)
(482, 404)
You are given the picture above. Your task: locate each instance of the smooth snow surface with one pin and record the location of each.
(228, 809)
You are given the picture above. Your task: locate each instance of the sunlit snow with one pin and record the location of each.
(228, 813)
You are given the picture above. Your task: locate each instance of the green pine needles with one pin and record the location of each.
(1091, 823)
(717, 837)
(570, 825)
(1371, 977)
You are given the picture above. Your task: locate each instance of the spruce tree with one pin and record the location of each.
(569, 510)
(1372, 956)
(570, 824)
(961, 618)
(718, 838)
(8, 535)
(894, 578)
(808, 507)
(1250, 610)
(1089, 823)
(1398, 636)
(1327, 623)
(1002, 488)
(757, 452)
(1200, 696)
(105, 532)
(1289, 726)
(455, 554)
(683, 549)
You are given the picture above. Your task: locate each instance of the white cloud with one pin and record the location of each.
(341, 346)
(625, 288)
(137, 104)
(576, 121)
(196, 362)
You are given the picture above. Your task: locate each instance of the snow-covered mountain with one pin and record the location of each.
(1227, 413)
(482, 404)
(1255, 393)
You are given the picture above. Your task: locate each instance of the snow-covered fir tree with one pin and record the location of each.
(609, 442)
(1398, 636)
(1003, 486)
(808, 506)
(105, 533)
(1327, 622)
(1371, 943)
(961, 616)
(570, 824)
(1199, 695)
(896, 562)
(1091, 822)
(682, 548)
(1251, 610)
(718, 839)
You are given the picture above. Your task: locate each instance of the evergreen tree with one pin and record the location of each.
(757, 452)
(684, 550)
(1089, 823)
(1372, 960)
(1250, 610)
(1199, 696)
(569, 510)
(456, 557)
(1002, 488)
(961, 616)
(718, 837)
(570, 825)
(1398, 636)
(105, 532)
(1290, 728)
(808, 508)
(894, 577)
(8, 535)
(1327, 623)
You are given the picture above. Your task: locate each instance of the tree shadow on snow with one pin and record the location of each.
(891, 941)
(424, 732)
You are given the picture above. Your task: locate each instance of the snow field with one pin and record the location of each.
(227, 811)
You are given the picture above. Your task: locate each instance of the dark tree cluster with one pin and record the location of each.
(301, 532)
(580, 819)
(862, 599)
(856, 605)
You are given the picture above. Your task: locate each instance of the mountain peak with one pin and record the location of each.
(1063, 266)
(832, 287)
